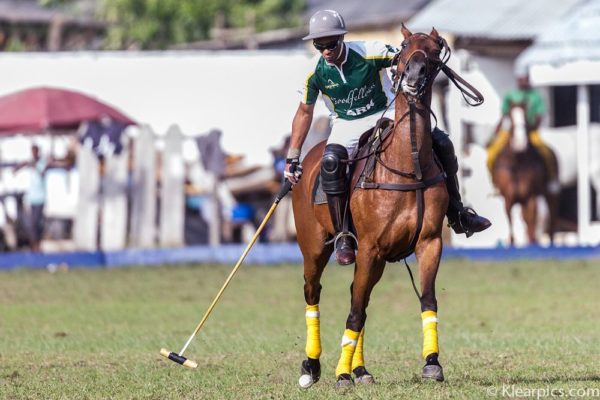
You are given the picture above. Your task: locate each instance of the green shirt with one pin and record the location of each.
(531, 97)
(361, 87)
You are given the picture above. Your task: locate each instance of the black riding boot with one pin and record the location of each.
(460, 218)
(334, 181)
(344, 249)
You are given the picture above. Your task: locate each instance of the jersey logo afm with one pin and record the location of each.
(331, 84)
(360, 110)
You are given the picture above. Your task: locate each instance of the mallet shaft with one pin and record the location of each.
(286, 187)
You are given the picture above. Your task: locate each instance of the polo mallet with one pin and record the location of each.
(178, 357)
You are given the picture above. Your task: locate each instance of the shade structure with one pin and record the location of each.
(38, 109)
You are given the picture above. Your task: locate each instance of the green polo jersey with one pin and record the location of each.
(532, 99)
(360, 87)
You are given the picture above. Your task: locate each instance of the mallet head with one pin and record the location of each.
(178, 359)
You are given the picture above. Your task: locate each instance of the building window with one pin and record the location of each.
(594, 103)
(564, 105)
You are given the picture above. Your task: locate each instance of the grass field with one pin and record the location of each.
(95, 334)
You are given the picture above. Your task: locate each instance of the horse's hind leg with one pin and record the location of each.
(367, 273)
(358, 368)
(428, 255)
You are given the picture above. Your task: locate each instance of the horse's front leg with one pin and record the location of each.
(428, 255)
(530, 215)
(367, 273)
(310, 370)
(508, 205)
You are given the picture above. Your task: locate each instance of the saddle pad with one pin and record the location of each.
(319, 196)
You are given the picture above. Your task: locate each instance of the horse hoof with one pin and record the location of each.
(310, 373)
(365, 380)
(363, 377)
(433, 372)
(344, 381)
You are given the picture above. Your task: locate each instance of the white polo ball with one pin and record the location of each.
(305, 381)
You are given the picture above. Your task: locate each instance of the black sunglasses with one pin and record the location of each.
(327, 46)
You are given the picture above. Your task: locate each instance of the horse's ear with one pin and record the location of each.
(405, 32)
(434, 34)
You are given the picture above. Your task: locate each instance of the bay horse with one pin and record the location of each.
(397, 208)
(519, 172)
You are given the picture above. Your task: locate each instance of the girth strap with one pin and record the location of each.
(403, 187)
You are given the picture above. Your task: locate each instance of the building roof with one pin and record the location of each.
(576, 37)
(29, 11)
(500, 19)
(360, 14)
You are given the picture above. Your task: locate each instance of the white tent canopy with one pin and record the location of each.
(568, 52)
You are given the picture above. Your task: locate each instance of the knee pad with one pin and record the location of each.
(444, 150)
(333, 170)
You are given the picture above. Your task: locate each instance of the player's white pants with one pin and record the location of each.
(347, 133)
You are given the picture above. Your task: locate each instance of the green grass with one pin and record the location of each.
(95, 334)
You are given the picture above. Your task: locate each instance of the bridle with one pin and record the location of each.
(433, 65)
(471, 95)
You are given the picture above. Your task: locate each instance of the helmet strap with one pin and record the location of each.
(342, 50)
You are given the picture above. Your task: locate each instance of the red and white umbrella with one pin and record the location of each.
(39, 109)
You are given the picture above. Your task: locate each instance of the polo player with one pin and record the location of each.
(535, 108)
(356, 88)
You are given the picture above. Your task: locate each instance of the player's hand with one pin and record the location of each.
(293, 170)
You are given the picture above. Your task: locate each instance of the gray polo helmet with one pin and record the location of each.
(325, 23)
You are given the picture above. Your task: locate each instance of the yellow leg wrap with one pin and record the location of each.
(313, 332)
(545, 152)
(501, 140)
(357, 358)
(430, 336)
(349, 342)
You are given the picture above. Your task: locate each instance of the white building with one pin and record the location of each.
(487, 39)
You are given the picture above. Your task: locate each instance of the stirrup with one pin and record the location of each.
(470, 211)
(459, 223)
(340, 235)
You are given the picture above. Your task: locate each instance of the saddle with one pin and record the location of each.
(362, 160)
(362, 165)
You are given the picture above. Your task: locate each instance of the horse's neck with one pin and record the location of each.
(398, 153)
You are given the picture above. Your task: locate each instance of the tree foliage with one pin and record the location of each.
(157, 24)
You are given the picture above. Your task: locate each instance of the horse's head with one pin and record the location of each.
(515, 122)
(419, 62)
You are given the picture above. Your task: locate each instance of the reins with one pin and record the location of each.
(470, 94)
